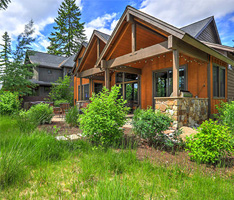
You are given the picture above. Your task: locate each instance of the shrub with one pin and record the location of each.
(62, 90)
(150, 125)
(226, 114)
(72, 116)
(58, 102)
(212, 143)
(104, 116)
(41, 113)
(9, 103)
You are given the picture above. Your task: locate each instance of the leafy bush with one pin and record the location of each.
(104, 116)
(212, 143)
(226, 114)
(150, 125)
(58, 102)
(9, 103)
(41, 113)
(62, 91)
(72, 116)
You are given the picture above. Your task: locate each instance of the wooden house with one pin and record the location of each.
(183, 71)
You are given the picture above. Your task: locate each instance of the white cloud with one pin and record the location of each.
(20, 12)
(105, 24)
(183, 12)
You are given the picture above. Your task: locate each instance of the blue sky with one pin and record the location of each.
(103, 15)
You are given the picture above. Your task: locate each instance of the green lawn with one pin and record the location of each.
(36, 166)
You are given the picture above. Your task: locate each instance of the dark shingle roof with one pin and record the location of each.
(69, 62)
(195, 28)
(103, 35)
(46, 59)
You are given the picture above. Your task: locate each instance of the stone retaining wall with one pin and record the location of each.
(184, 111)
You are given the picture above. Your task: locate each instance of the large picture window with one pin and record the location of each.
(85, 92)
(218, 81)
(163, 82)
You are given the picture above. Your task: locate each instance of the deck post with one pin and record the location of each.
(81, 90)
(175, 71)
(107, 78)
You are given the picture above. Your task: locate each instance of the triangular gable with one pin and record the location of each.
(79, 54)
(90, 56)
(210, 33)
(204, 30)
(156, 25)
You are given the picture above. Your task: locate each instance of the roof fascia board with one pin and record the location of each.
(196, 43)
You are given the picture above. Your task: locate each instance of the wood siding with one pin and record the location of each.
(214, 101)
(230, 85)
(209, 34)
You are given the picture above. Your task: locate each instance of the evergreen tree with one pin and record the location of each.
(4, 4)
(69, 31)
(15, 74)
(5, 54)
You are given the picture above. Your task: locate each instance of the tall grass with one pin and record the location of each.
(76, 170)
(20, 151)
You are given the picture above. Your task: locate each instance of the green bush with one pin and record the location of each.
(226, 114)
(104, 116)
(150, 125)
(40, 113)
(58, 102)
(72, 116)
(212, 143)
(9, 103)
(62, 91)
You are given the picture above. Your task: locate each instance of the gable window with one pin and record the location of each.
(85, 92)
(163, 82)
(218, 81)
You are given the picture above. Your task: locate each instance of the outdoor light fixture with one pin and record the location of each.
(229, 66)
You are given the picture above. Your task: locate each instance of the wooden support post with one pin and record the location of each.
(133, 37)
(98, 48)
(107, 78)
(90, 87)
(123, 86)
(81, 90)
(175, 70)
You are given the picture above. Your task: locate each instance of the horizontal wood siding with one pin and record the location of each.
(209, 34)
(231, 85)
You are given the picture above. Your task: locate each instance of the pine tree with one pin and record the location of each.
(4, 4)
(5, 54)
(16, 73)
(69, 31)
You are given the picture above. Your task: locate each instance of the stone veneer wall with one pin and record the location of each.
(184, 111)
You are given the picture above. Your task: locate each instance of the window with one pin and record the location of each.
(218, 81)
(85, 92)
(97, 87)
(49, 71)
(163, 82)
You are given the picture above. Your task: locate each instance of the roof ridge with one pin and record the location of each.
(47, 53)
(197, 21)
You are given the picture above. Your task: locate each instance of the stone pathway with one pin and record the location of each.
(69, 137)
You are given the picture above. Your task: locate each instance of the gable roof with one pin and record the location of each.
(196, 29)
(83, 44)
(104, 37)
(69, 62)
(45, 59)
(167, 29)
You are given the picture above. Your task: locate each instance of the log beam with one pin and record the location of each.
(139, 55)
(88, 72)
